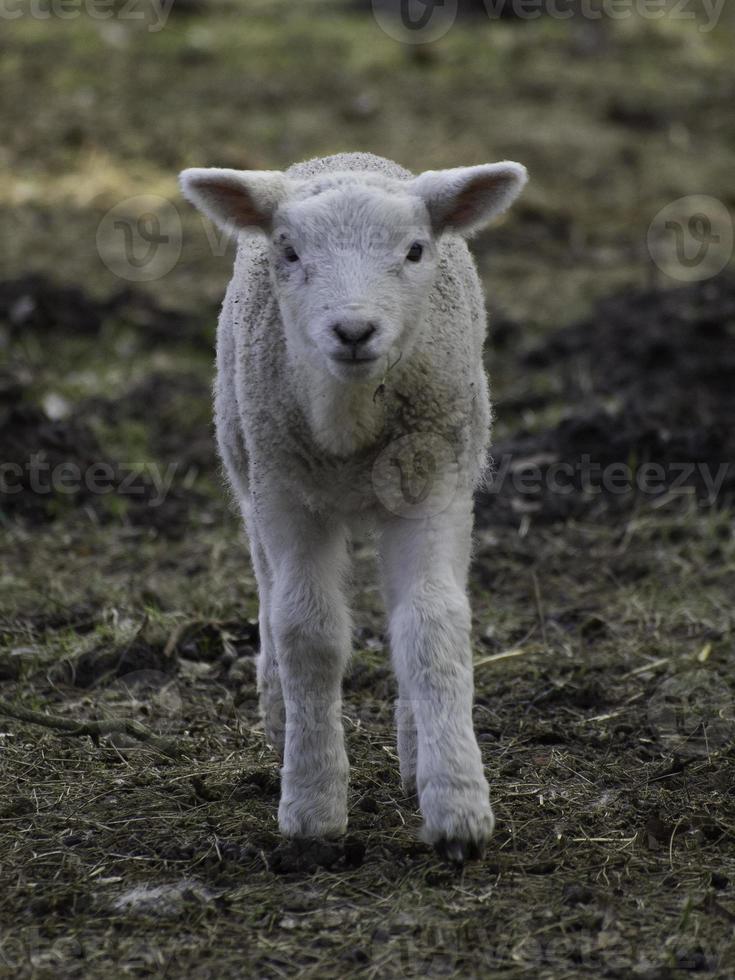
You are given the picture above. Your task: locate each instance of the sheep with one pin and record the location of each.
(350, 395)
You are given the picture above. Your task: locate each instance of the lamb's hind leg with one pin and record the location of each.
(269, 683)
(234, 458)
(406, 740)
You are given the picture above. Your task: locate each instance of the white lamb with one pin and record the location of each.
(350, 392)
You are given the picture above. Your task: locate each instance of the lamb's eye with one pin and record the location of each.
(289, 253)
(415, 252)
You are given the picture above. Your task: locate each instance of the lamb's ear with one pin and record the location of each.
(465, 198)
(235, 199)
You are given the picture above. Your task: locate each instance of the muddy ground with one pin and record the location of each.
(605, 561)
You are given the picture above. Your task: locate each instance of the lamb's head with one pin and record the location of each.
(353, 255)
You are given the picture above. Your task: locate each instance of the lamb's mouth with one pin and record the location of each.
(354, 360)
(355, 369)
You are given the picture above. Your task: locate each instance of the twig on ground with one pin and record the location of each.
(108, 726)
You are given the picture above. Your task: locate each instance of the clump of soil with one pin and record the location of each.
(106, 661)
(304, 857)
(648, 381)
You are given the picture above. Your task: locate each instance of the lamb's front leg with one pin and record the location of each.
(311, 628)
(425, 563)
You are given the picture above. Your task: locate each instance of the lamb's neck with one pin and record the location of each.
(344, 416)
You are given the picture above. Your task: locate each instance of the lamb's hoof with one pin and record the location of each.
(459, 852)
(310, 826)
(458, 819)
(320, 810)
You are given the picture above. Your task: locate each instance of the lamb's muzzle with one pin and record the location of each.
(352, 334)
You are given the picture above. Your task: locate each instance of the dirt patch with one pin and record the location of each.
(135, 458)
(104, 663)
(36, 303)
(305, 857)
(33, 448)
(646, 385)
(174, 410)
(54, 467)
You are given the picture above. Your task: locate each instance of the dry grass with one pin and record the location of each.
(615, 849)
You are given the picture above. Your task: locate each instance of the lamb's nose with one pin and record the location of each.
(353, 332)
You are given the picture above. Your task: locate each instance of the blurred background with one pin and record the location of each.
(124, 581)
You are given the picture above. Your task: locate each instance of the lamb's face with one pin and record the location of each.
(353, 255)
(352, 269)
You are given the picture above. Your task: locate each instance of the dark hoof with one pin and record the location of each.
(458, 852)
